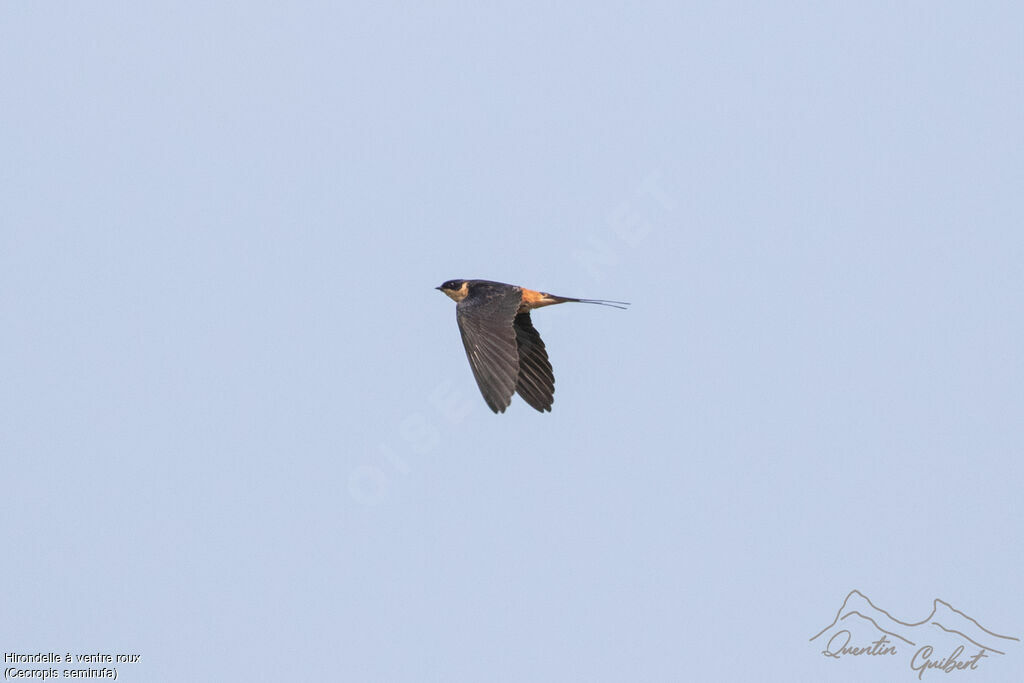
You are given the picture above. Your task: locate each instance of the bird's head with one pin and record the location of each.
(456, 289)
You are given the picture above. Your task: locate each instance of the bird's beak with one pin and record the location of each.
(437, 288)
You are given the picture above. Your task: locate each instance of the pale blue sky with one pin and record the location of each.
(239, 433)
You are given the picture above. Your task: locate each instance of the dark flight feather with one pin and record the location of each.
(536, 381)
(485, 320)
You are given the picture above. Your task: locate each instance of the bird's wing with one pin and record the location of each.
(485, 321)
(536, 381)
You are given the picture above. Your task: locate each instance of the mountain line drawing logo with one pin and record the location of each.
(946, 641)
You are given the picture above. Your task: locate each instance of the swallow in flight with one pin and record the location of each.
(504, 349)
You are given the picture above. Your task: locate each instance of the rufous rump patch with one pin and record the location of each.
(533, 299)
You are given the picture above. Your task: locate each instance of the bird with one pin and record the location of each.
(504, 349)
